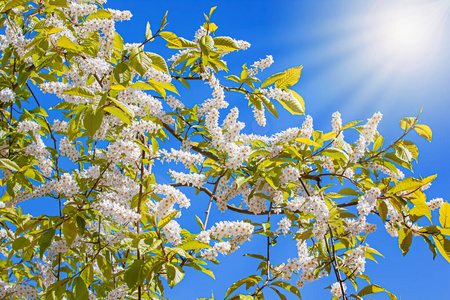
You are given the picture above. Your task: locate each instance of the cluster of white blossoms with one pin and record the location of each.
(81, 9)
(284, 225)
(110, 207)
(366, 137)
(199, 34)
(67, 148)
(356, 260)
(125, 151)
(244, 45)
(174, 103)
(315, 205)
(19, 291)
(118, 293)
(27, 125)
(192, 179)
(7, 95)
(360, 225)
(279, 94)
(435, 203)
(59, 247)
(120, 15)
(231, 229)
(289, 174)
(304, 263)
(261, 65)
(238, 232)
(157, 75)
(259, 116)
(336, 124)
(237, 154)
(67, 185)
(173, 196)
(368, 201)
(336, 289)
(95, 65)
(185, 157)
(58, 125)
(232, 125)
(385, 170)
(327, 163)
(172, 231)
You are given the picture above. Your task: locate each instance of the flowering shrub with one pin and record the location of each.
(118, 232)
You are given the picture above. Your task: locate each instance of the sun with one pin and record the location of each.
(406, 34)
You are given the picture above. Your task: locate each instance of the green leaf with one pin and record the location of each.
(235, 286)
(412, 148)
(382, 209)
(13, 3)
(140, 60)
(268, 104)
(349, 192)
(420, 209)
(92, 121)
(294, 105)
(288, 287)
(79, 91)
(118, 42)
(69, 231)
(404, 240)
(80, 290)
(211, 27)
(206, 44)
(66, 43)
(174, 274)
(204, 270)
(59, 3)
(100, 14)
(171, 37)
(307, 142)
(133, 273)
(45, 241)
(167, 219)
(407, 184)
(158, 62)
(443, 245)
(373, 289)
(8, 164)
(148, 32)
(20, 243)
(122, 73)
(280, 295)
(225, 43)
(350, 124)
(406, 123)
(118, 113)
(444, 215)
(88, 275)
(424, 131)
(291, 77)
(194, 245)
(272, 79)
(335, 153)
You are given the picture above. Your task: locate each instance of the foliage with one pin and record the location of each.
(116, 234)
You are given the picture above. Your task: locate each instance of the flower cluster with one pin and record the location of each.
(435, 203)
(7, 95)
(336, 289)
(368, 201)
(196, 180)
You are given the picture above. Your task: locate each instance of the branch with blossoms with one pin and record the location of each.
(120, 231)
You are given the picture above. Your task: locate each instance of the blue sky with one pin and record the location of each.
(352, 64)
